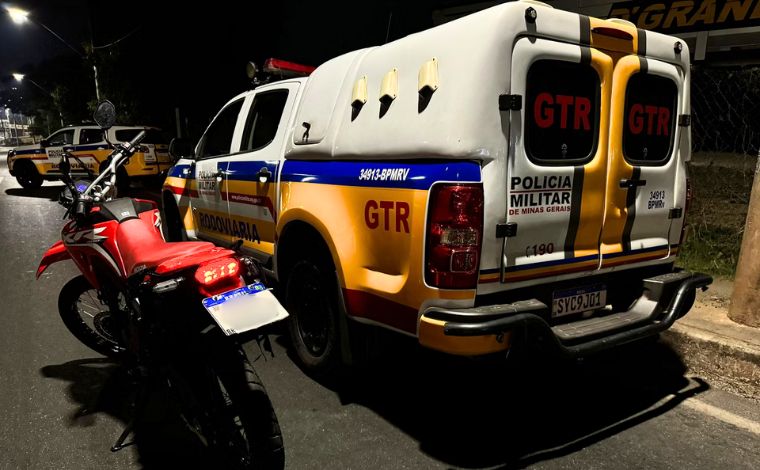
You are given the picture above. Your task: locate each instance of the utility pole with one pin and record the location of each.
(2, 126)
(745, 300)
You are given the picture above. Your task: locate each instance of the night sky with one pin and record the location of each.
(189, 56)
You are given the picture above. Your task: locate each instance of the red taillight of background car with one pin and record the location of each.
(218, 276)
(455, 232)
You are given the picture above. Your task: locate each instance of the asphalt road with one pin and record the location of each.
(63, 406)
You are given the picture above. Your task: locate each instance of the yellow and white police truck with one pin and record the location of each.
(519, 170)
(32, 164)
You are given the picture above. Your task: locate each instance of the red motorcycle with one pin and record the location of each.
(171, 312)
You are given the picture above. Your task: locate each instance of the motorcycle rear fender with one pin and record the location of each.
(55, 253)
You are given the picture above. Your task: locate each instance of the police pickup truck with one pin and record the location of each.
(32, 164)
(519, 170)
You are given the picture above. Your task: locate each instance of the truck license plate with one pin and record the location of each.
(565, 302)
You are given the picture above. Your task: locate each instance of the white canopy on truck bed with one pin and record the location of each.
(461, 118)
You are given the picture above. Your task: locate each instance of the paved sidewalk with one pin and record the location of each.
(712, 344)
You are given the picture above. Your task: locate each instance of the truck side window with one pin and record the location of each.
(218, 137)
(650, 117)
(263, 120)
(62, 138)
(90, 136)
(152, 136)
(561, 112)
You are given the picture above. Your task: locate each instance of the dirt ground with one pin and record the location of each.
(721, 185)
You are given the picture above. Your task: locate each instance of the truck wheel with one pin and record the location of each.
(313, 322)
(27, 175)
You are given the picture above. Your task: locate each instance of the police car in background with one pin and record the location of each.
(32, 164)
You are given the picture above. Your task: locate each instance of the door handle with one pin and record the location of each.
(264, 175)
(626, 183)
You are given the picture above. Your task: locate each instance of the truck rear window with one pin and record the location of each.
(561, 112)
(650, 116)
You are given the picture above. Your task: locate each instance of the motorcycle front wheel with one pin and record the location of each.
(229, 409)
(88, 318)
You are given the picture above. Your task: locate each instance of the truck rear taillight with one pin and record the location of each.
(455, 232)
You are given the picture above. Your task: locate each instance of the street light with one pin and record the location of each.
(20, 17)
(20, 76)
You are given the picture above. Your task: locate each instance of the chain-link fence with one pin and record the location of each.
(725, 138)
(726, 110)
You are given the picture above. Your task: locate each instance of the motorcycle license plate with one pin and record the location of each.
(244, 309)
(565, 302)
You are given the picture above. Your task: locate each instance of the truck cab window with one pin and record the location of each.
(62, 138)
(90, 136)
(263, 120)
(218, 137)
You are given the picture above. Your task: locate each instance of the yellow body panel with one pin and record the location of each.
(616, 212)
(385, 260)
(591, 217)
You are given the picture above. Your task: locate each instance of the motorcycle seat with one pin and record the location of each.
(141, 246)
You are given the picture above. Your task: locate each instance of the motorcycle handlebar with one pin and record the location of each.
(117, 158)
(65, 167)
(80, 209)
(138, 138)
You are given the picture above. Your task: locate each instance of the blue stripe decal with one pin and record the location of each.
(559, 262)
(178, 171)
(248, 171)
(83, 148)
(30, 152)
(636, 252)
(70, 148)
(401, 174)
(544, 264)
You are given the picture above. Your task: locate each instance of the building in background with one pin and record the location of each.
(14, 128)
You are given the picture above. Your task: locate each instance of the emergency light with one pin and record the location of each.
(287, 69)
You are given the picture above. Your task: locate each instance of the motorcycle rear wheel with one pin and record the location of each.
(230, 409)
(88, 318)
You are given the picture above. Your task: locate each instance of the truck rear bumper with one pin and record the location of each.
(664, 299)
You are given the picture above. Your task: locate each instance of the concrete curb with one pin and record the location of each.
(726, 353)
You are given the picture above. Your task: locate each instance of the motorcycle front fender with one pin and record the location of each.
(55, 253)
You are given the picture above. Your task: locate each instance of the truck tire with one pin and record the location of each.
(313, 323)
(27, 175)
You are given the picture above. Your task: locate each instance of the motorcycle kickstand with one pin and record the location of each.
(119, 444)
(139, 404)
